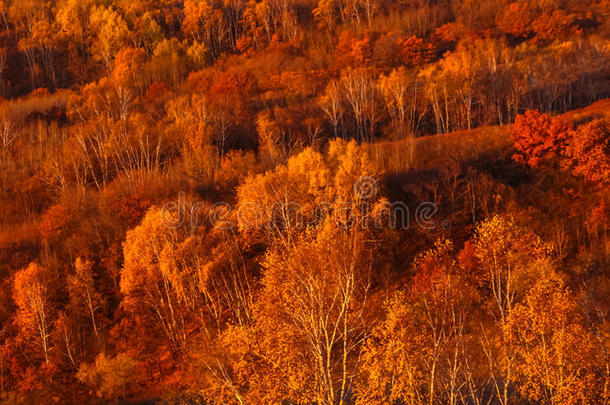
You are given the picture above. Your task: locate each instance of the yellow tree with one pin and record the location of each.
(283, 201)
(508, 257)
(270, 139)
(310, 186)
(421, 352)
(326, 14)
(390, 357)
(143, 283)
(110, 34)
(31, 294)
(400, 96)
(148, 32)
(437, 95)
(206, 24)
(310, 318)
(555, 353)
(185, 276)
(192, 119)
(43, 40)
(331, 103)
(25, 15)
(72, 17)
(111, 377)
(460, 69)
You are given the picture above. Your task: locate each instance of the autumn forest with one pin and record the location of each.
(307, 202)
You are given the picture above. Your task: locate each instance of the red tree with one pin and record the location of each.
(588, 152)
(538, 137)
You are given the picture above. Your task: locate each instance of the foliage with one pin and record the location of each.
(329, 202)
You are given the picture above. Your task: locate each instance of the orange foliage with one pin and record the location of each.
(351, 51)
(450, 33)
(557, 26)
(516, 19)
(196, 207)
(54, 221)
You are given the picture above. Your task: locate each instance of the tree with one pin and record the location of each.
(127, 70)
(64, 328)
(401, 95)
(325, 14)
(310, 315)
(588, 152)
(509, 257)
(145, 276)
(182, 278)
(235, 166)
(538, 138)
(283, 201)
(415, 52)
(32, 296)
(390, 357)
(168, 62)
(43, 40)
(516, 19)
(148, 31)
(192, 120)
(111, 34)
(231, 96)
(311, 186)
(317, 218)
(73, 19)
(206, 24)
(555, 26)
(449, 35)
(26, 16)
(437, 95)
(360, 93)
(555, 352)
(82, 285)
(331, 104)
(271, 140)
(421, 351)
(353, 52)
(8, 129)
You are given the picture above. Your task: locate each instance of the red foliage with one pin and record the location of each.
(156, 96)
(588, 152)
(243, 44)
(415, 52)
(232, 84)
(538, 137)
(131, 207)
(157, 91)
